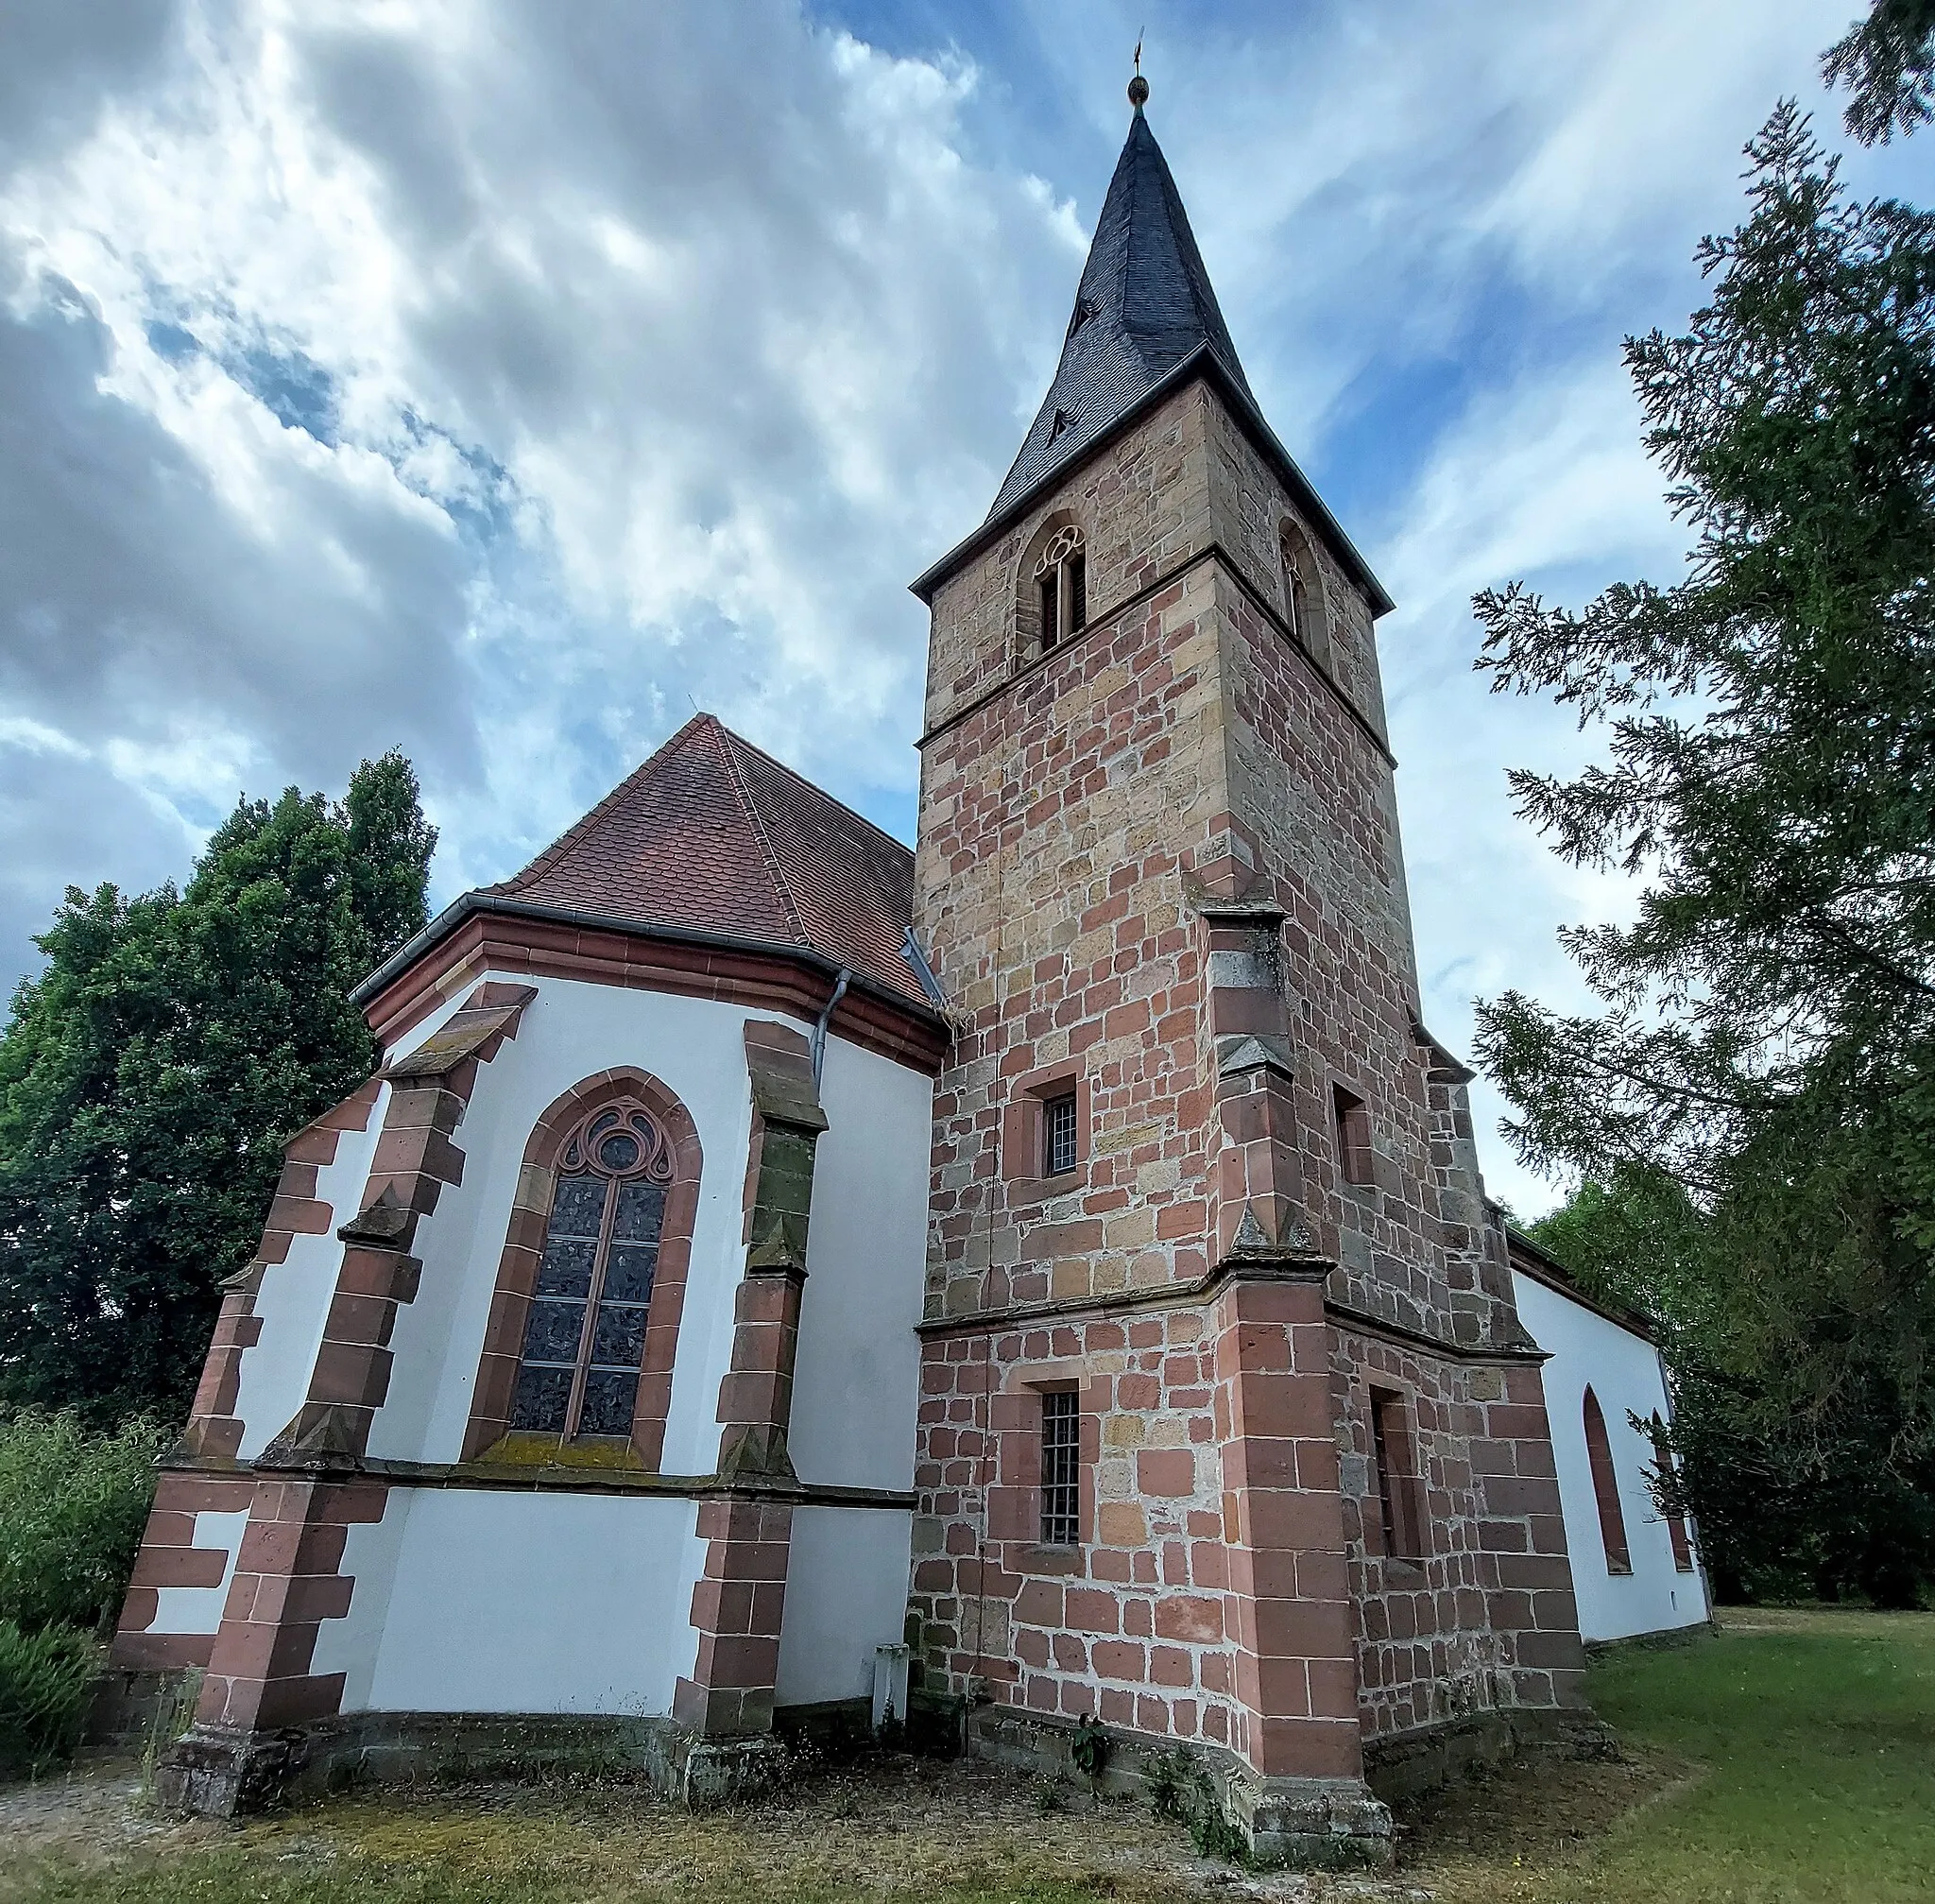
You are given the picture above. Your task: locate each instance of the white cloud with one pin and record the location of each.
(498, 379)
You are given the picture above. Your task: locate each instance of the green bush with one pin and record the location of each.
(45, 1680)
(72, 1508)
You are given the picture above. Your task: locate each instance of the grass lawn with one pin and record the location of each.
(1793, 1758)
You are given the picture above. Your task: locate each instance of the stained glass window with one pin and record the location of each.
(585, 1336)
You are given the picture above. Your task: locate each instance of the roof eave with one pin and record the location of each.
(1201, 361)
(1543, 1266)
(453, 915)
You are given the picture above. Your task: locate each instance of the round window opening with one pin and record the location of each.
(618, 1151)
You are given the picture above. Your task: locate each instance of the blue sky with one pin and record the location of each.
(501, 381)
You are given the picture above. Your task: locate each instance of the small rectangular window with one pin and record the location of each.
(1059, 1135)
(1353, 1136)
(1397, 1482)
(1061, 1469)
(1051, 592)
(1078, 591)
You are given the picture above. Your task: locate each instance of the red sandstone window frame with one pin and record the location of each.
(1015, 1499)
(1058, 1416)
(1400, 1525)
(1605, 1486)
(1024, 1133)
(517, 1271)
(1350, 1124)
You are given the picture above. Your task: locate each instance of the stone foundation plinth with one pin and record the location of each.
(1321, 1822)
(225, 1772)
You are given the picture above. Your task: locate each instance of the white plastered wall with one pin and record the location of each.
(496, 1602)
(198, 1609)
(846, 1594)
(293, 1299)
(412, 1638)
(1623, 1371)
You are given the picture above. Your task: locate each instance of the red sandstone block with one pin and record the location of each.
(158, 1566)
(261, 1650)
(1190, 1617)
(1166, 1471)
(1307, 1748)
(1092, 1610)
(1289, 1523)
(1170, 1666)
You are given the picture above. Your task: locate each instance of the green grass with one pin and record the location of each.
(1809, 1741)
(1791, 1760)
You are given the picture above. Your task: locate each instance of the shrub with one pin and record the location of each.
(45, 1679)
(72, 1508)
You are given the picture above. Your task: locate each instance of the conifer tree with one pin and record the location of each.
(1767, 1032)
(1888, 62)
(152, 1072)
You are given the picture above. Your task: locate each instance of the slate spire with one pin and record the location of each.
(1144, 304)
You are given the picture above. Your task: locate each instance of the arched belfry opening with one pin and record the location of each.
(1304, 608)
(1053, 586)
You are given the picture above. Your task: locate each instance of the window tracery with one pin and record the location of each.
(1303, 591)
(585, 1334)
(1061, 585)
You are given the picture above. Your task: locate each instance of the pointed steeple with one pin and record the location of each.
(1143, 306)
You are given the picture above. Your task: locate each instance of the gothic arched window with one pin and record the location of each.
(585, 1334)
(1303, 591)
(1606, 1488)
(1061, 586)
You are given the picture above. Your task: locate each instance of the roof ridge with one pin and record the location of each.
(567, 841)
(818, 792)
(775, 871)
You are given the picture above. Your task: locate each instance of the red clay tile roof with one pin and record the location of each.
(711, 836)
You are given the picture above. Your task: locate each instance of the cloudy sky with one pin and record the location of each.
(502, 380)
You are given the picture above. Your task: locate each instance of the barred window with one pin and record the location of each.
(585, 1336)
(1059, 1135)
(1061, 1469)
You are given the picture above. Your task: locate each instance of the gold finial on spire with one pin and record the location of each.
(1139, 87)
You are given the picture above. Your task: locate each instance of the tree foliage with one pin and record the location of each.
(152, 1073)
(72, 1508)
(1886, 61)
(1767, 1029)
(1788, 1505)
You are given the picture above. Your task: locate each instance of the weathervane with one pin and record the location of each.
(1139, 87)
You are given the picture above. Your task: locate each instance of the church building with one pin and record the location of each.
(1036, 1282)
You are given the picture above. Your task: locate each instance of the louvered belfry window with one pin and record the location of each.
(1061, 583)
(1061, 1469)
(585, 1336)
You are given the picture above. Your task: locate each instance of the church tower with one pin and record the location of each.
(1229, 1434)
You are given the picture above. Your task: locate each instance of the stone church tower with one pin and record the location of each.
(1228, 1433)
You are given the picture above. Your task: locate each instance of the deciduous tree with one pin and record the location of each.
(151, 1074)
